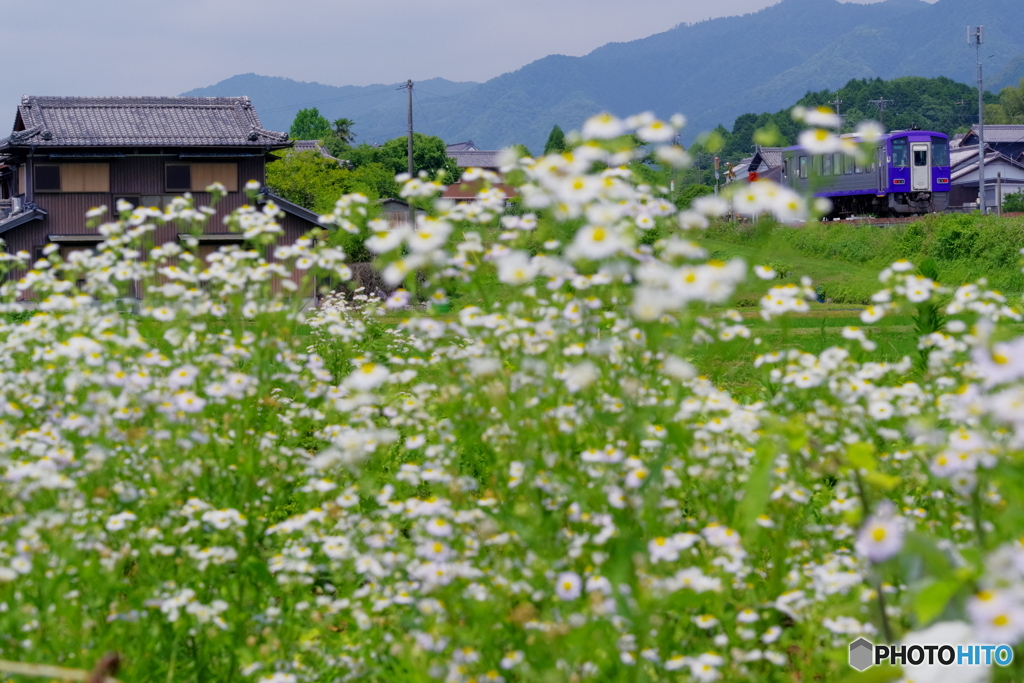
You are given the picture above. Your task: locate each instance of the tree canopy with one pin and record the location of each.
(309, 124)
(315, 182)
(939, 104)
(343, 130)
(556, 141)
(1010, 109)
(430, 154)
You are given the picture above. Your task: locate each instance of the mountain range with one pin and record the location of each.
(711, 71)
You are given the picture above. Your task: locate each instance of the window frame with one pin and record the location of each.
(904, 144)
(167, 177)
(35, 177)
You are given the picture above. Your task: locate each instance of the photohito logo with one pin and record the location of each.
(864, 654)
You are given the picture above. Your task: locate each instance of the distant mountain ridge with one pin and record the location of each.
(278, 99)
(711, 71)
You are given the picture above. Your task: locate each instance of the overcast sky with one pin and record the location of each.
(165, 47)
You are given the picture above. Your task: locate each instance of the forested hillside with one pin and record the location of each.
(929, 103)
(712, 71)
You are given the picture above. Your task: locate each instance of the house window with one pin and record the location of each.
(134, 201)
(197, 177)
(179, 177)
(48, 178)
(72, 178)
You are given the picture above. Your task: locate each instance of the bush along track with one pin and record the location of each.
(537, 487)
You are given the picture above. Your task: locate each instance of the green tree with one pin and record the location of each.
(556, 141)
(309, 124)
(1013, 202)
(691, 192)
(1012, 101)
(522, 150)
(316, 183)
(343, 130)
(430, 154)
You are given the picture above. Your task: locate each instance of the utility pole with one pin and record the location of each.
(881, 104)
(836, 102)
(975, 37)
(412, 209)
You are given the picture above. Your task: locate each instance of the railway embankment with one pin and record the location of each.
(844, 257)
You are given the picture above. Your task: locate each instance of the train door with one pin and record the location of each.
(921, 169)
(882, 166)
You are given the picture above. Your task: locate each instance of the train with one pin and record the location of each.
(908, 173)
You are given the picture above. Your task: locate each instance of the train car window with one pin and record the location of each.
(849, 164)
(920, 157)
(826, 168)
(940, 152)
(803, 167)
(837, 163)
(899, 153)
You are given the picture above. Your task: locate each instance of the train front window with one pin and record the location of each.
(940, 152)
(920, 157)
(899, 153)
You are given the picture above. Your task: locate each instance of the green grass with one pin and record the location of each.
(844, 259)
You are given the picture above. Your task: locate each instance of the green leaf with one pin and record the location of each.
(757, 490)
(935, 561)
(876, 674)
(885, 482)
(862, 456)
(931, 601)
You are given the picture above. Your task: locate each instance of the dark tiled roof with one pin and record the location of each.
(772, 156)
(314, 146)
(467, 146)
(992, 159)
(476, 158)
(140, 121)
(998, 133)
(963, 155)
(288, 207)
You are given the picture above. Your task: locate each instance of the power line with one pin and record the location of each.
(327, 101)
(881, 104)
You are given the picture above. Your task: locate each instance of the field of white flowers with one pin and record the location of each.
(219, 487)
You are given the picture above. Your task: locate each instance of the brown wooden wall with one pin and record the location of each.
(136, 176)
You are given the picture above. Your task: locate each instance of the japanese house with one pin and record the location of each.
(67, 155)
